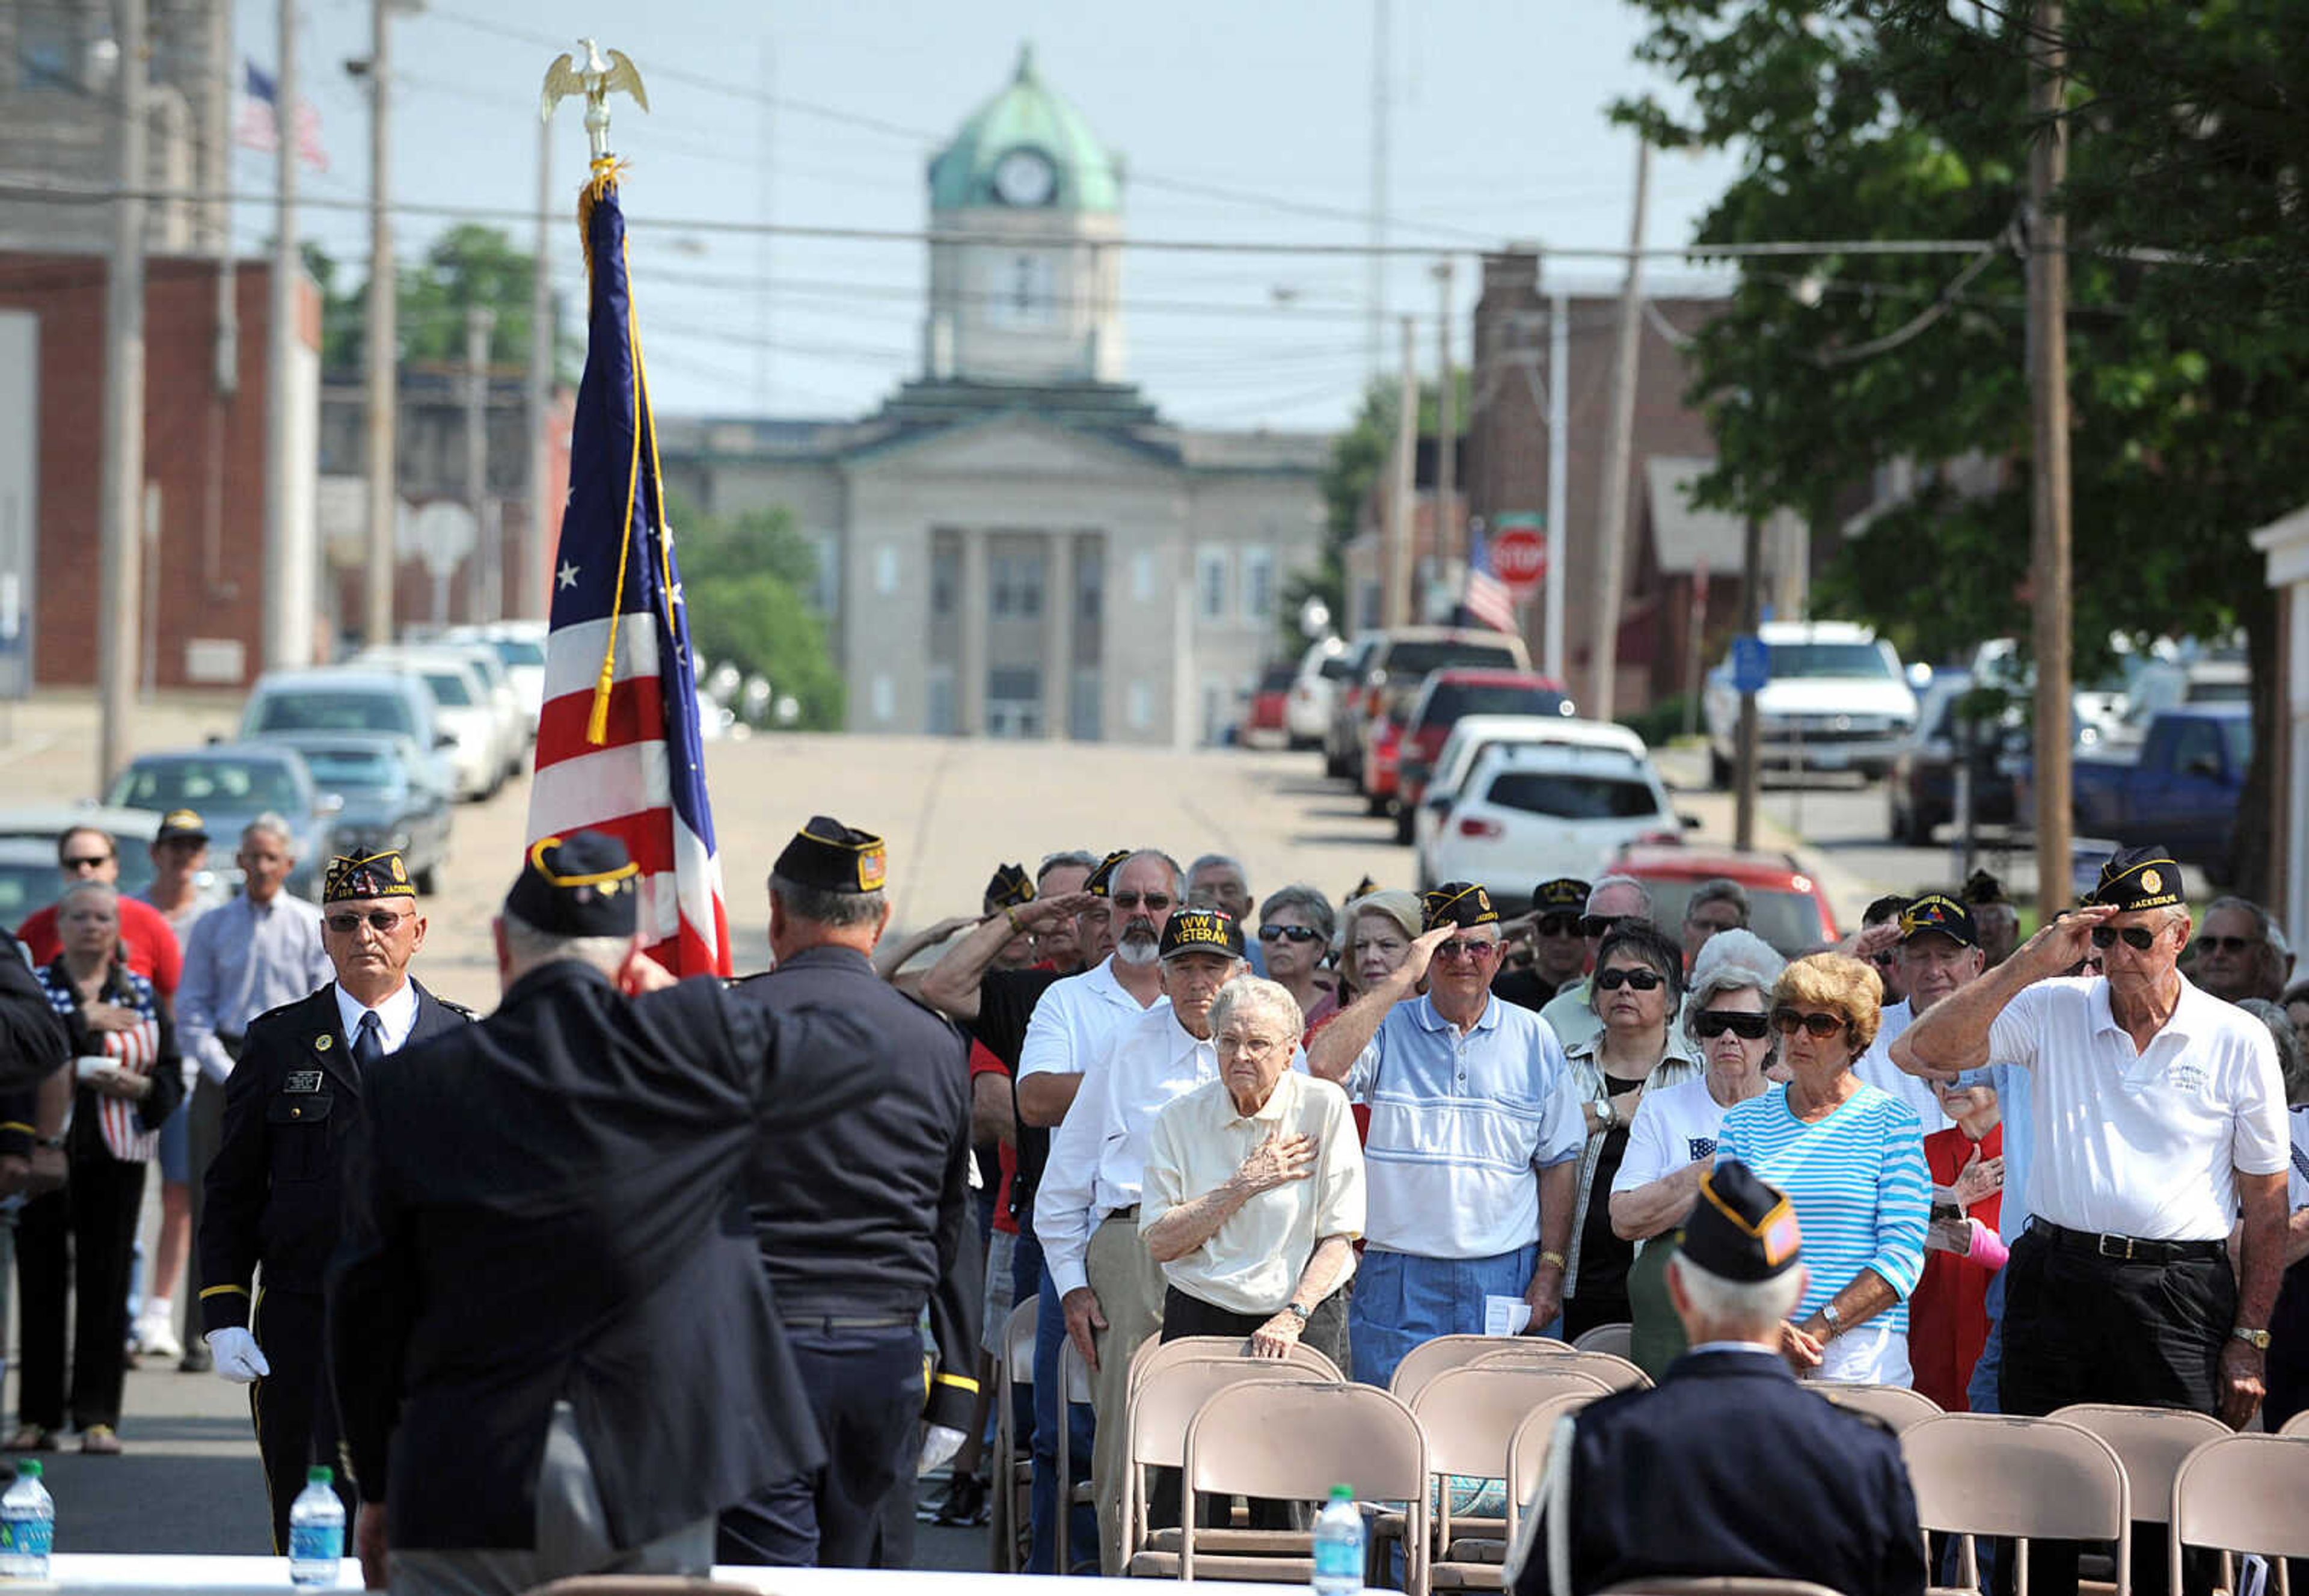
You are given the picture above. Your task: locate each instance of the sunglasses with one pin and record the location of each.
(380, 920)
(2223, 944)
(1461, 948)
(1599, 925)
(2137, 937)
(98, 862)
(1713, 1024)
(1289, 933)
(1820, 1027)
(1155, 901)
(1560, 925)
(1612, 980)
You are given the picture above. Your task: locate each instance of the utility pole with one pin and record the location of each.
(281, 598)
(527, 597)
(489, 548)
(1446, 423)
(762, 321)
(2049, 550)
(1402, 502)
(1618, 438)
(1375, 293)
(1558, 467)
(120, 542)
(1751, 619)
(382, 354)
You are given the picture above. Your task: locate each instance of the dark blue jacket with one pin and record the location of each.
(1730, 1468)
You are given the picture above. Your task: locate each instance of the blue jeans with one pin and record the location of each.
(1050, 1334)
(1401, 1301)
(1983, 1394)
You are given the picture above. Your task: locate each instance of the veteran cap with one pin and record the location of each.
(1457, 903)
(832, 857)
(2142, 878)
(1937, 911)
(375, 875)
(1101, 883)
(181, 825)
(1010, 886)
(1980, 888)
(1202, 930)
(1565, 895)
(582, 885)
(1740, 1229)
(1363, 889)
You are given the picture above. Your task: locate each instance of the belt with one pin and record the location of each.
(849, 1320)
(1125, 1214)
(2126, 1249)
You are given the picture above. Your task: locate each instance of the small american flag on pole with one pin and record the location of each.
(1485, 599)
(618, 746)
(258, 126)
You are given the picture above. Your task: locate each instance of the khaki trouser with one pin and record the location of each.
(1129, 1287)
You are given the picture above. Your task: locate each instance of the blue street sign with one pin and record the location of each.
(1752, 663)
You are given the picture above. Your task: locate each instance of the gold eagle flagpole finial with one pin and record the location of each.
(602, 74)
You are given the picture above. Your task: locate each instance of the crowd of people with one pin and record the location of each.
(2027, 1173)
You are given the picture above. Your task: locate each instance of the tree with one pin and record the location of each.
(468, 267)
(743, 579)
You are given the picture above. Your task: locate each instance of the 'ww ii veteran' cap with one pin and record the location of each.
(1457, 903)
(181, 825)
(832, 857)
(1202, 930)
(582, 885)
(1740, 1229)
(1938, 912)
(2138, 878)
(1565, 895)
(376, 875)
(1101, 883)
(1010, 888)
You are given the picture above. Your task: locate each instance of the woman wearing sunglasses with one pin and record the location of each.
(1295, 928)
(1637, 984)
(1851, 1159)
(1671, 1143)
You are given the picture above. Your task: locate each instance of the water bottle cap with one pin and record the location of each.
(29, 1469)
(1343, 1493)
(319, 1474)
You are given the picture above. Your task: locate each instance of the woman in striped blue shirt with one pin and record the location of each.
(1851, 1159)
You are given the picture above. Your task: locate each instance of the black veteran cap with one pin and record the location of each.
(1457, 903)
(378, 875)
(181, 825)
(1740, 1229)
(1363, 889)
(1937, 911)
(830, 857)
(1202, 930)
(582, 885)
(1009, 887)
(1981, 887)
(1101, 883)
(1563, 895)
(2138, 878)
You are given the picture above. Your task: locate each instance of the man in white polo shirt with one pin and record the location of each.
(2159, 1118)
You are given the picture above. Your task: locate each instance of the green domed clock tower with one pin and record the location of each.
(1026, 280)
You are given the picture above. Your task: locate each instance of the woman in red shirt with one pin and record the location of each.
(1948, 1316)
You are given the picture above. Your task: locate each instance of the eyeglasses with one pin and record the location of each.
(1461, 948)
(1156, 902)
(2222, 944)
(1612, 980)
(1559, 925)
(2138, 937)
(1289, 933)
(1714, 1023)
(1599, 925)
(98, 862)
(1820, 1027)
(1884, 960)
(378, 920)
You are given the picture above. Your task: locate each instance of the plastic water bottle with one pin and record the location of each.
(316, 1530)
(28, 1525)
(1339, 1545)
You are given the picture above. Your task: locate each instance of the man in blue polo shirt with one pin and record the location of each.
(1472, 1163)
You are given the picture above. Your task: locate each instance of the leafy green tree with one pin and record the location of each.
(743, 579)
(468, 267)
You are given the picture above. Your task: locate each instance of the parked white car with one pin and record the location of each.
(1473, 735)
(1531, 809)
(463, 708)
(1314, 692)
(520, 646)
(1836, 700)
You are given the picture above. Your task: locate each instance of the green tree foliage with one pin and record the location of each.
(744, 579)
(469, 266)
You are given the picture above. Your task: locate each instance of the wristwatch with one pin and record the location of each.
(1834, 1320)
(1608, 1112)
(57, 1141)
(1295, 1310)
(2258, 1339)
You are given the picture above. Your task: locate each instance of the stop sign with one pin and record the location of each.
(1519, 559)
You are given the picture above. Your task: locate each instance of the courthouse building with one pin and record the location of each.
(1017, 543)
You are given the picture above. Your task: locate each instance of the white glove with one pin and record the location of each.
(237, 1356)
(939, 1445)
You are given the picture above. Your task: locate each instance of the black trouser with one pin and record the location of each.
(87, 1230)
(2083, 1327)
(2288, 1350)
(295, 1409)
(1326, 1331)
(865, 1384)
(203, 1130)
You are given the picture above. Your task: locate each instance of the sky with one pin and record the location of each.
(827, 115)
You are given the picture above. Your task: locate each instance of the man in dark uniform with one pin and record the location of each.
(1560, 950)
(861, 1220)
(551, 1342)
(272, 1194)
(1729, 1467)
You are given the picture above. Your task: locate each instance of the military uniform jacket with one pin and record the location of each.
(550, 1206)
(1729, 1467)
(33, 1042)
(274, 1188)
(869, 1215)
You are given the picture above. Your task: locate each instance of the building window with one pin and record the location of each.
(885, 699)
(1025, 292)
(886, 570)
(944, 717)
(946, 578)
(1017, 580)
(1085, 716)
(1211, 583)
(1014, 701)
(1141, 711)
(1258, 583)
(1142, 576)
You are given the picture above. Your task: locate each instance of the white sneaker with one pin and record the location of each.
(156, 1339)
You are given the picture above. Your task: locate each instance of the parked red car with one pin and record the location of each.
(1786, 906)
(1382, 746)
(1446, 696)
(1268, 723)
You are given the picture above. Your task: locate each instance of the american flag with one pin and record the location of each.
(1486, 598)
(618, 747)
(259, 126)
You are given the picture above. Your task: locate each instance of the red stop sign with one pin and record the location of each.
(1519, 559)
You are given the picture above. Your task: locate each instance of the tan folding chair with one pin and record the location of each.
(2244, 1494)
(2151, 1442)
(1154, 1353)
(1154, 1436)
(1266, 1438)
(2028, 1479)
(2299, 1424)
(1074, 1386)
(1725, 1585)
(1470, 1417)
(1618, 1340)
(1617, 1374)
(1527, 1458)
(1896, 1405)
(1014, 1471)
(1423, 1362)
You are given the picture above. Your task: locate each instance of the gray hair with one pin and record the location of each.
(1220, 861)
(2292, 1062)
(822, 908)
(1723, 979)
(1720, 890)
(1394, 903)
(528, 947)
(1753, 1309)
(1308, 901)
(1642, 892)
(274, 825)
(1178, 876)
(2270, 932)
(1248, 995)
(88, 890)
(1740, 947)
(1076, 858)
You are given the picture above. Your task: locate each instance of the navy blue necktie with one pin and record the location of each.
(369, 1046)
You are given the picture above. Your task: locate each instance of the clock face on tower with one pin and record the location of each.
(1025, 178)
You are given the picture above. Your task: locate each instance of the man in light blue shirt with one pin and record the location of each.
(1473, 1160)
